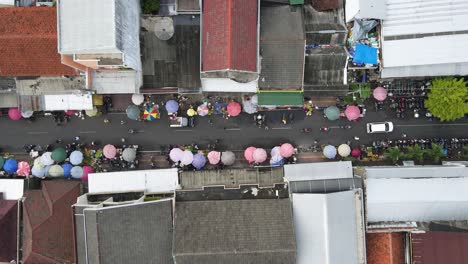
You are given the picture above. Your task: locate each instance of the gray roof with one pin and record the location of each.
(332, 22)
(234, 231)
(192, 6)
(50, 85)
(8, 100)
(7, 84)
(282, 47)
(136, 233)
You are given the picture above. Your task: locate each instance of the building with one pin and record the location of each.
(101, 39)
(386, 248)
(234, 231)
(48, 235)
(435, 247)
(11, 192)
(229, 52)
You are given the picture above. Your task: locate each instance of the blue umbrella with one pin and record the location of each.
(38, 171)
(76, 172)
(67, 170)
(199, 161)
(10, 166)
(133, 112)
(172, 106)
(329, 152)
(76, 157)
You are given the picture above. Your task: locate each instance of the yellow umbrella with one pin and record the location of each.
(191, 112)
(98, 99)
(92, 112)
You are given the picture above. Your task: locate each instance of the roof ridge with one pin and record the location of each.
(236, 252)
(19, 36)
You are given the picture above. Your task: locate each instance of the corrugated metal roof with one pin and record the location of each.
(416, 172)
(439, 247)
(318, 171)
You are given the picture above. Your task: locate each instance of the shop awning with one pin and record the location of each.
(281, 98)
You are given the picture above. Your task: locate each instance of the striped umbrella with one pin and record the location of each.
(203, 110)
(150, 113)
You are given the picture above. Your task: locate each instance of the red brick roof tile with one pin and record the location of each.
(385, 248)
(229, 38)
(28, 37)
(8, 223)
(48, 223)
(324, 5)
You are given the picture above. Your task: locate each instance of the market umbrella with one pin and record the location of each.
(56, 171)
(176, 154)
(76, 172)
(329, 152)
(172, 106)
(191, 112)
(203, 110)
(46, 159)
(214, 157)
(46, 170)
(150, 113)
(356, 153)
(259, 155)
(275, 151)
(233, 108)
(98, 99)
(199, 161)
(228, 158)
(248, 154)
(352, 112)
(10, 166)
(70, 112)
(14, 113)
(1, 162)
(76, 157)
(27, 114)
(59, 154)
(276, 160)
(67, 170)
(332, 113)
(92, 112)
(38, 171)
(187, 157)
(344, 150)
(23, 169)
(86, 170)
(249, 106)
(380, 94)
(38, 162)
(129, 154)
(109, 151)
(138, 99)
(287, 150)
(133, 112)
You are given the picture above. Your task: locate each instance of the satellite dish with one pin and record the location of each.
(164, 28)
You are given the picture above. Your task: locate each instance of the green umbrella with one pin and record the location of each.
(59, 154)
(332, 113)
(1, 162)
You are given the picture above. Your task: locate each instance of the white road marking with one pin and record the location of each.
(429, 125)
(87, 132)
(188, 130)
(149, 151)
(281, 128)
(33, 133)
(116, 113)
(233, 129)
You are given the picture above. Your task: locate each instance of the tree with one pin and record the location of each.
(415, 153)
(150, 7)
(436, 152)
(447, 98)
(394, 154)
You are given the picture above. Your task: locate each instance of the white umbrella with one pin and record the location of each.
(56, 171)
(26, 114)
(46, 159)
(129, 154)
(76, 157)
(187, 158)
(344, 150)
(228, 158)
(76, 172)
(38, 171)
(138, 99)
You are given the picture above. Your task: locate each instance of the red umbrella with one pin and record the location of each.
(380, 93)
(234, 108)
(86, 171)
(14, 113)
(248, 154)
(356, 153)
(352, 112)
(287, 150)
(70, 112)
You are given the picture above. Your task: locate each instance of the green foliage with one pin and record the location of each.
(436, 152)
(447, 98)
(150, 7)
(415, 153)
(359, 93)
(465, 152)
(365, 91)
(393, 154)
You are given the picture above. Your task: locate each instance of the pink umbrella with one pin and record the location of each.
(70, 112)
(276, 151)
(14, 113)
(352, 112)
(23, 169)
(259, 155)
(248, 154)
(287, 150)
(109, 151)
(176, 154)
(380, 93)
(214, 157)
(86, 171)
(356, 153)
(234, 108)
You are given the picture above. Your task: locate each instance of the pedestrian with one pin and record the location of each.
(122, 122)
(58, 141)
(356, 138)
(404, 135)
(106, 120)
(77, 138)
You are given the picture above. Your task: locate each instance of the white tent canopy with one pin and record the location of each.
(416, 172)
(68, 102)
(12, 189)
(318, 171)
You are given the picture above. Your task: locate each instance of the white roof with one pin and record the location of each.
(329, 228)
(228, 85)
(421, 199)
(318, 171)
(7, 2)
(12, 189)
(68, 102)
(116, 82)
(416, 172)
(364, 9)
(148, 181)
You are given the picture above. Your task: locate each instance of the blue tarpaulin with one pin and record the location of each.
(365, 54)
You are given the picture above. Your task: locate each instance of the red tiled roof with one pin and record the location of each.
(8, 224)
(28, 42)
(324, 5)
(437, 247)
(48, 223)
(229, 35)
(385, 248)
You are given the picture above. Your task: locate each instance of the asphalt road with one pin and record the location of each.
(234, 133)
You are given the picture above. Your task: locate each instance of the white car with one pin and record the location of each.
(381, 127)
